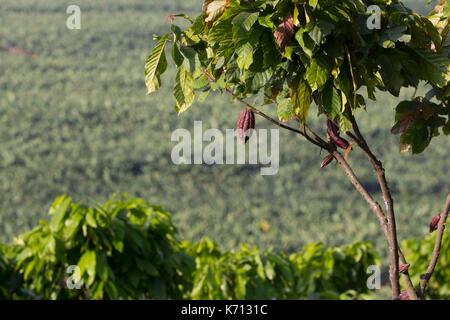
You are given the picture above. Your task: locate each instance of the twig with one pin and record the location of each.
(303, 133)
(425, 278)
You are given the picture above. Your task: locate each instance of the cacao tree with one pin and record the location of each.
(329, 55)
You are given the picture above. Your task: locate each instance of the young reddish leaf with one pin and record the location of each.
(328, 159)
(347, 151)
(285, 31)
(434, 222)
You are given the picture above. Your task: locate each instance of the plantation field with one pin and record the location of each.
(75, 119)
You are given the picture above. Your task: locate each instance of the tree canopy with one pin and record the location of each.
(298, 52)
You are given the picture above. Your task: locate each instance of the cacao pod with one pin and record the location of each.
(332, 129)
(334, 135)
(245, 123)
(434, 222)
(341, 143)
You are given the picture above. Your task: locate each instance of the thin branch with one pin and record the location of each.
(425, 278)
(389, 203)
(373, 204)
(318, 142)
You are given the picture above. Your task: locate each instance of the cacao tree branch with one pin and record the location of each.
(425, 278)
(373, 204)
(318, 142)
(395, 253)
(409, 286)
(303, 133)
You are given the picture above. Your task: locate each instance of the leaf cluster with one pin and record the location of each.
(298, 52)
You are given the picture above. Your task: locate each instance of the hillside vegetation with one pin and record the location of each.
(74, 119)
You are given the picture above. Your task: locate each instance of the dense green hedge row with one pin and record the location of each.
(128, 249)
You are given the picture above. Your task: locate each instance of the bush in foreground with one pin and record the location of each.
(128, 249)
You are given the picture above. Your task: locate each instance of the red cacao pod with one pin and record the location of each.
(334, 135)
(332, 129)
(341, 143)
(434, 222)
(245, 123)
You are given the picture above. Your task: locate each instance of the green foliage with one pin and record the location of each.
(8, 278)
(314, 273)
(419, 254)
(324, 45)
(75, 119)
(124, 249)
(156, 65)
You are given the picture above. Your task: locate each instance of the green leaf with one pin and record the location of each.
(270, 51)
(72, 223)
(246, 20)
(302, 99)
(417, 137)
(331, 100)
(345, 124)
(191, 59)
(183, 90)
(320, 31)
(256, 81)
(266, 21)
(58, 211)
(318, 72)
(434, 67)
(156, 65)
(313, 3)
(284, 108)
(245, 56)
(391, 72)
(176, 55)
(241, 284)
(87, 263)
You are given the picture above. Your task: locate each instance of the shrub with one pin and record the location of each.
(128, 249)
(124, 249)
(316, 272)
(419, 253)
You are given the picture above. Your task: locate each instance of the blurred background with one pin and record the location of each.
(75, 119)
